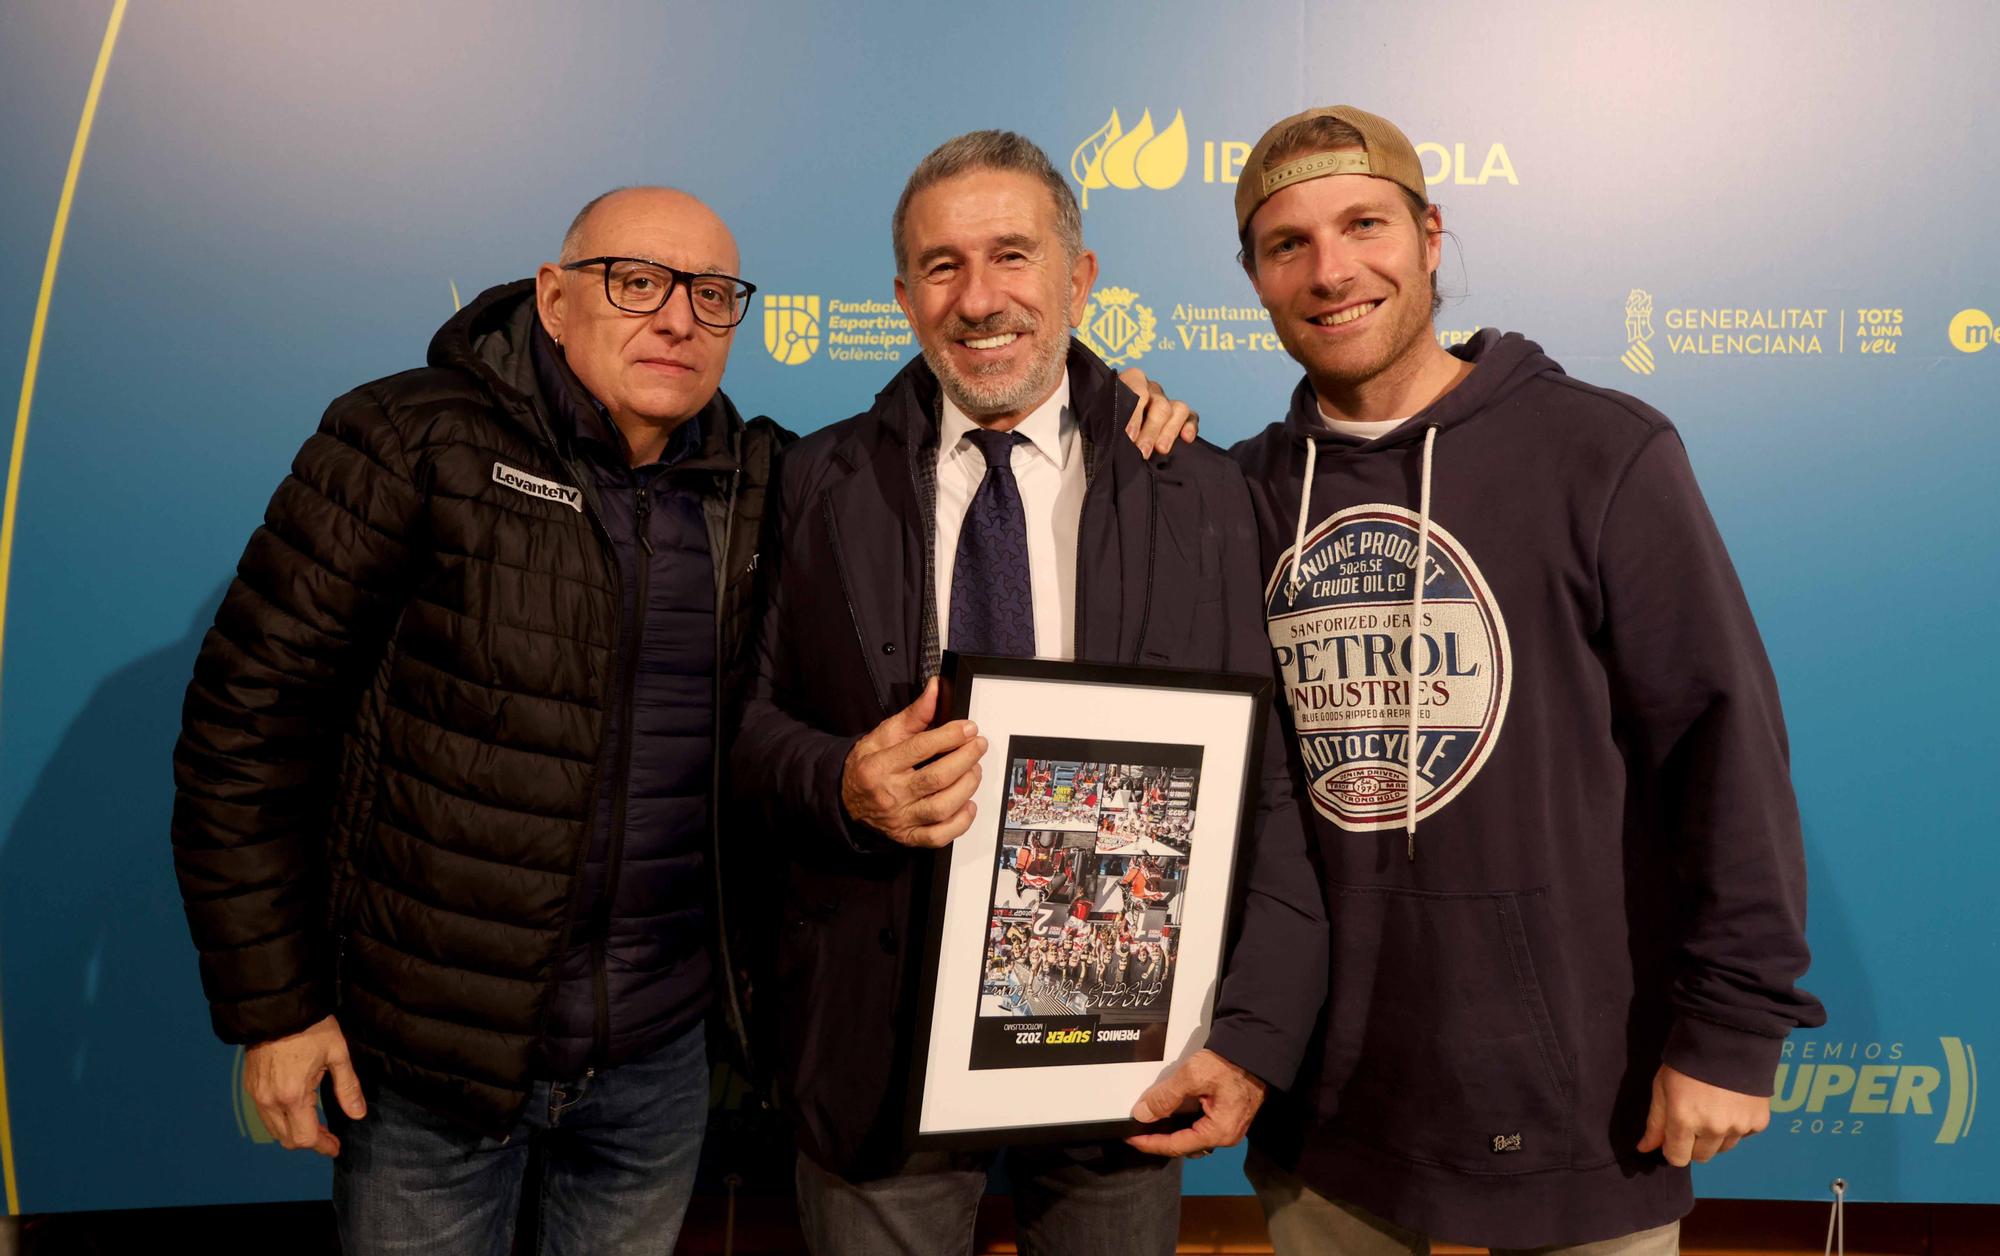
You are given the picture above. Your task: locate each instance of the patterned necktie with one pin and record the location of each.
(992, 604)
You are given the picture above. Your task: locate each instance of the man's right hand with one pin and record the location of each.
(890, 785)
(283, 1075)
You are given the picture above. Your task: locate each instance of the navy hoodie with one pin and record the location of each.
(1599, 868)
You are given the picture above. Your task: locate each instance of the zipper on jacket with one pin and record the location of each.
(634, 645)
(339, 969)
(594, 513)
(732, 1000)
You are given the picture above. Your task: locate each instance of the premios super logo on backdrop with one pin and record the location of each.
(1852, 1089)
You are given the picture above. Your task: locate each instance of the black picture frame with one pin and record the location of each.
(1161, 757)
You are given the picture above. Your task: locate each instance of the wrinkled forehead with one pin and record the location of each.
(982, 203)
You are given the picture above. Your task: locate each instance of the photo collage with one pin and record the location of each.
(1088, 888)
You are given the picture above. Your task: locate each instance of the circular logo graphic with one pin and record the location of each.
(1971, 330)
(1351, 665)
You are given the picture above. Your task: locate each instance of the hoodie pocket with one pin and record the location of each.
(1440, 1047)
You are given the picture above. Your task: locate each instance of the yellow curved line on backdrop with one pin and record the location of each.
(13, 500)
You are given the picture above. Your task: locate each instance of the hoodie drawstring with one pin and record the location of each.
(1416, 634)
(1293, 583)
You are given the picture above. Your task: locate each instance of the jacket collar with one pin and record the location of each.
(879, 520)
(907, 406)
(494, 339)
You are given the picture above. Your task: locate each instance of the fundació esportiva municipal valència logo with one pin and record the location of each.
(1842, 1089)
(863, 330)
(791, 328)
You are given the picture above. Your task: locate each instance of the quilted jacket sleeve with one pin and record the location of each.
(299, 633)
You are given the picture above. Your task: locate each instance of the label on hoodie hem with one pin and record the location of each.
(1344, 650)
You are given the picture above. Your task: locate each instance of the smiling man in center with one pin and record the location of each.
(989, 503)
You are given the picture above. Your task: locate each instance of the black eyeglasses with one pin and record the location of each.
(638, 286)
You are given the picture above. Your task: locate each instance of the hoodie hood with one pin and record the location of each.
(494, 338)
(491, 337)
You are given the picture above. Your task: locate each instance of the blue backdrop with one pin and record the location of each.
(1773, 222)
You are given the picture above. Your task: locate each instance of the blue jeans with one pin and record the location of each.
(619, 1149)
(1098, 1199)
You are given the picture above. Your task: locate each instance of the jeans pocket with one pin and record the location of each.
(1440, 1043)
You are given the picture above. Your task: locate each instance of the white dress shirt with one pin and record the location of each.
(1048, 466)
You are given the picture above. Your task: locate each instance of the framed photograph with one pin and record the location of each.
(1077, 929)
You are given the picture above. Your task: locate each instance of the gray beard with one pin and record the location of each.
(977, 398)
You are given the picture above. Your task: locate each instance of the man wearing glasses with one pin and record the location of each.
(445, 825)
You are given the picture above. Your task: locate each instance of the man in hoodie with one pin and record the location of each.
(1542, 749)
(445, 826)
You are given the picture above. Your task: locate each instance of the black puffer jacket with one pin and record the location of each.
(390, 742)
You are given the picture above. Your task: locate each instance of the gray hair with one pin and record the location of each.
(991, 150)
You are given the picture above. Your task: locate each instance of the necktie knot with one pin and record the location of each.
(998, 447)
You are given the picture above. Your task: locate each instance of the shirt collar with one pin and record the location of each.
(1046, 426)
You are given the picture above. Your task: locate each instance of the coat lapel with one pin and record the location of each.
(1114, 560)
(874, 527)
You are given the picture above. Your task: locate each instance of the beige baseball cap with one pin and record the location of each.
(1386, 154)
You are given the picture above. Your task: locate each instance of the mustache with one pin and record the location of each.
(992, 325)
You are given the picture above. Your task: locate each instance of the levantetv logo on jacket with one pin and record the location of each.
(1350, 665)
(535, 486)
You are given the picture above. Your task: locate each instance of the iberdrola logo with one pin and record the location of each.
(1112, 157)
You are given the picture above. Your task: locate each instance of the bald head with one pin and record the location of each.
(650, 371)
(617, 213)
